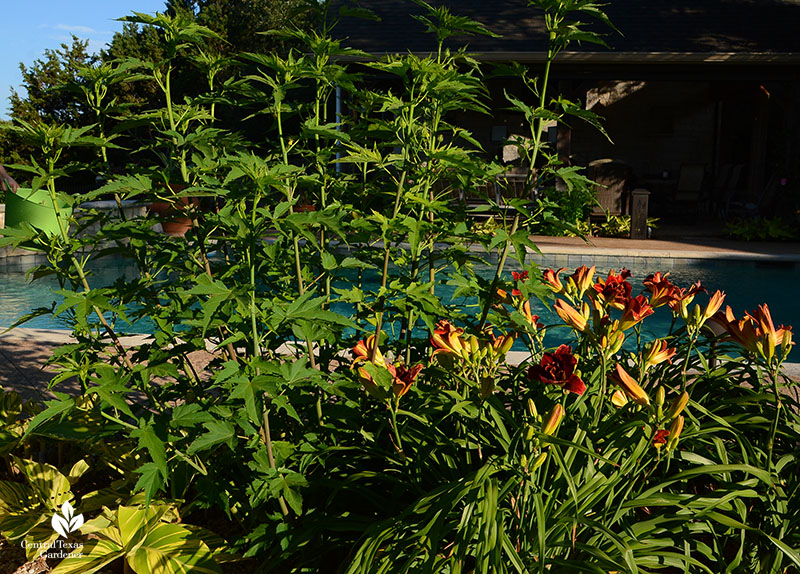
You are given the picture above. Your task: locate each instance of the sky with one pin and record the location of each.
(29, 27)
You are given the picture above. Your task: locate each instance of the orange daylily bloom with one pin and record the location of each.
(363, 352)
(662, 291)
(756, 332)
(635, 311)
(614, 291)
(403, 378)
(552, 280)
(658, 353)
(578, 320)
(502, 344)
(447, 339)
(630, 386)
(532, 319)
(714, 303)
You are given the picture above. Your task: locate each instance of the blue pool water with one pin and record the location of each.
(746, 284)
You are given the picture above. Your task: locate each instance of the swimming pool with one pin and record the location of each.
(746, 284)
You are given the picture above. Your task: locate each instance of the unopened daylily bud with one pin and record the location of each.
(553, 420)
(523, 461)
(474, 344)
(660, 397)
(539, 461)
(678, 405)
(675, 432)
(506, 344)
(630, 386)
(532, 408)
(529, 430)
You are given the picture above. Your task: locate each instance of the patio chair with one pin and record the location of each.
(612, 180)
(690, 193)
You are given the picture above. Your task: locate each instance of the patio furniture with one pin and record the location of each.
(690, 196)
(612, 179)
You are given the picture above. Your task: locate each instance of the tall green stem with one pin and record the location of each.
(537, 142)
(387, 247)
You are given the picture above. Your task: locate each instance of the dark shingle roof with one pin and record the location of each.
(700, 27)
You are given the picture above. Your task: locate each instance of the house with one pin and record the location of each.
(708, 85)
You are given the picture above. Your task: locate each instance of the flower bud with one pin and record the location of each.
(660, 397)
(678, 405)
(539, 461)
(553, 420)
(529, 430)
(523, 461)
(675, 432)
(532, 408)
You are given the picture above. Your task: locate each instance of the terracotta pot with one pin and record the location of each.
(174, 221)
(305, 207)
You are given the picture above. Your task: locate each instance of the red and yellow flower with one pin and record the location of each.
(661, 290)
(636, 309)
(558, 368)
(402, 377)
(553, 281)
(578, 320)
(615, 290)
(657, 353)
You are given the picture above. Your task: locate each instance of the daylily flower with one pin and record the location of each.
(615, 291)
(635, 311)
(660, 438)
(558, 368)
(683, 297)
(447, 339)
(714, 303)
(501, 344)
(662, 291)
(658, 353)
(403, 378)
(756, 332)
(618, 399)
(630, 386)
(518, 277)
(532, 319)
(578, 320)
(364, 349)
(582, 279)
(553, 281)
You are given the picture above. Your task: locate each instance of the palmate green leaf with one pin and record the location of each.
(151, 480)
(189, 415)
(149, 441)
(54, 408)
(218, 432)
